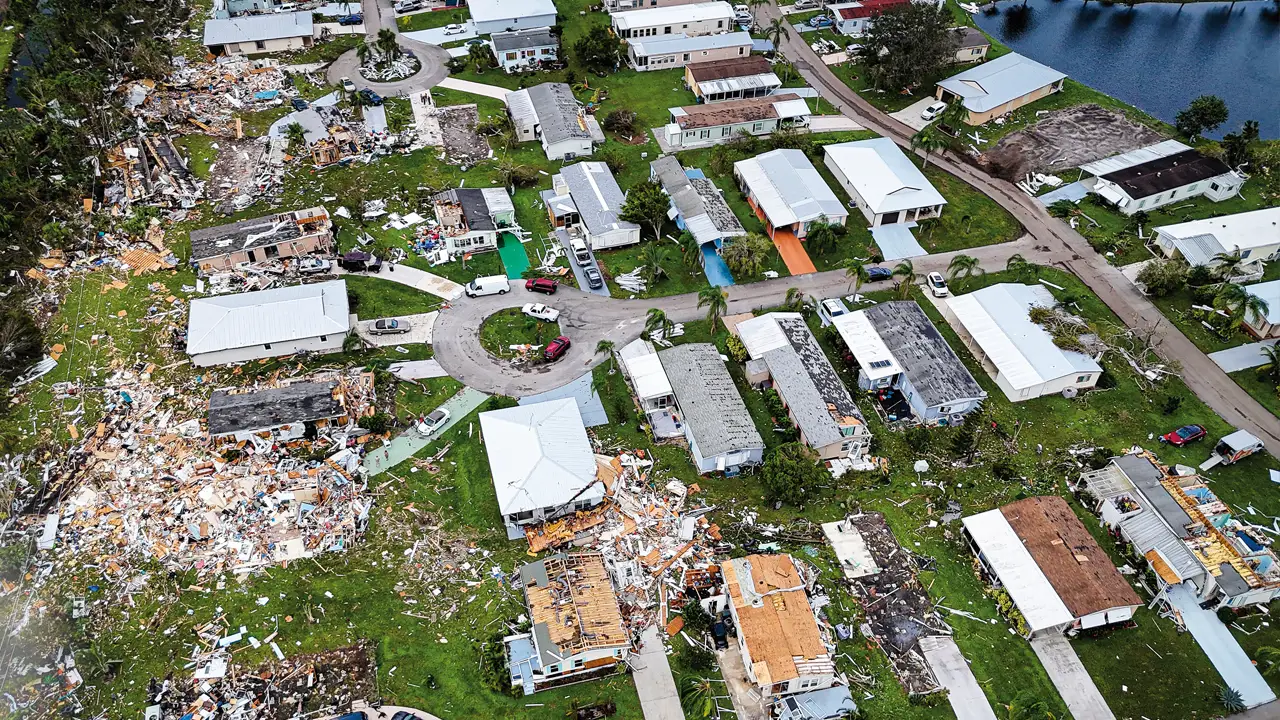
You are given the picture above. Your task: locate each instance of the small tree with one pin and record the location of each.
(480, 57)
(792, 474)
(716, 301)
(656, 322)
(1162, 277)
(652, 258)
(905, 272)
(598, 50)
(746, 255)
(822, 237)
(1205, 114)
(1018, 267)
(621, 121)
(856, 271)
(696, 619)
(646, 203)
(690, 251)
(297, 137)
(929, 141)
(962, 267)
(606, 346)
(1270, 371)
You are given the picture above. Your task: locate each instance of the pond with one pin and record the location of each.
(1157, 56)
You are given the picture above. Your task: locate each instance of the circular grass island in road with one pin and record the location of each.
(510, 327)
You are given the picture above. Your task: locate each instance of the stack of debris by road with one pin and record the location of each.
(278, 480)
(882, 576)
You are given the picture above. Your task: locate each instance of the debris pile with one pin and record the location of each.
(149, 169)
(205, 96)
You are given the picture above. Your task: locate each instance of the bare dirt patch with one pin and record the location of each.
(458, 129)
(1065, 139)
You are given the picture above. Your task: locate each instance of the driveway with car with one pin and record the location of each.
(438, 36)
(578, 270)
(420, 328)
(910, 115)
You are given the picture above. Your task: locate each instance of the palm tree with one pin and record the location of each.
(746, 256)
(657, 322)
(717, 302)
(652, 256)
(1018, 267)
(690, 251)
(606, 346)
(856, 271)
(1228, 264)
(697, 697)
(363, 51)
(508, 169)
(929, 141)
(905, 271)
(776, 31)
(1240, 304)
(821, 237)
(963, 267)
(386, 43)
(479, 57)
(1270, 370)
(794, 299)
(296, 135)
(1270, 656)
(953, 118)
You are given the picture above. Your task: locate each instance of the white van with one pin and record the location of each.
(580, 251)
(404, 6)
(491, 285)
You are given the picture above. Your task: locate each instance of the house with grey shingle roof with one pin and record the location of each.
(550, 114)
(722, 437)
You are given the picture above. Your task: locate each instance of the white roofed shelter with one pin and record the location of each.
(995, 325)
(1000, 86)
(1255, 234)
(541, 462)
(268, 323)
(652, 387)
(703, 18)
(1027, 586)
(788, 192)
(492, 16)
(883, 182)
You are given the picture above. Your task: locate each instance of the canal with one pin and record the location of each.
(1156, 56)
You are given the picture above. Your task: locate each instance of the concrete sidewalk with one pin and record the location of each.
(1222, 648)
(1068, 675)
(417, 279)
(475, 88)
(953, 673)
(409, 442)
(654, 683)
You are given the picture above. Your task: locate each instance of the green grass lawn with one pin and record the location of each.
(970, 219)
(376, 298)
(512, 327)
(680, 276)
(200, 153)
(433, 19)
(8, 37)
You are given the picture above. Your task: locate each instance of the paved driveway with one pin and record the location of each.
(652, 675)
(746, 699)
(409, 442)
(1068, 675)
(953, 673)
(910, 115)
(792, 252)
(1228, 658)
(603, 290)
(436, 36)
(419, 331)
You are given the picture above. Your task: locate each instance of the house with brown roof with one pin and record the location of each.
(739, 78)
(577, 632)
(1059, 579)
(703, 125)
(782, 645)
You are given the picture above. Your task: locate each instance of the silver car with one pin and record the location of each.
(389, 326)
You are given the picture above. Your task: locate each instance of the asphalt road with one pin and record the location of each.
(377, 15)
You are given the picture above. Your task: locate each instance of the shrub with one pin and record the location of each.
(377, 423)
(1163, 277)
(698, 659)
(696, 619)
(621, 121)
(1170, 404)
(792, 474)
(1004, 470)
(737, 350)
(918, 438)
(1226, 615)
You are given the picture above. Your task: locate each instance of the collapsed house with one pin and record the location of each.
(151, 170)
(470, 219)
(577, 631)
(907, 365)
(284, 235)
(783, 648)
(1188, 536)
(1055, 573)
(541, 461)
(268, 323)
(786, 357)
(722, 436)
(285, 413)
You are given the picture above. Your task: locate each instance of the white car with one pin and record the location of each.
(454, 29)
(538, 311)
(933, 111)
(937, 285)
(432, 422)
(347, 85)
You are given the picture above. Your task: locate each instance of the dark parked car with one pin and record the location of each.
(594, 280)
(402, 715)
(1183, 435)
(556, 348)
(720, 634)
(299, 104)
(361, 261)
(879, 273)
(542, 285)
(351, 20)
(369, 97)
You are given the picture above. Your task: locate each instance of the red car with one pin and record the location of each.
(556, 348)
(542, 285)
(1183, 435)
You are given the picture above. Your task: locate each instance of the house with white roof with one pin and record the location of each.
(1254, 234)
(493, 16)
(249, 34)
(883, 182)
(897, 348)
(1266, 325)
(1000, 86)
(995, 324)
(787, 193)
(585, 198)
(550, 114)
(617, 5)
(702, 125)
(703, 18)
(268, 323)
(722, 436)
(1159, 174)
(1054, 571)
(541, 462)
(786, 357)
(649, 382)
(676, 51)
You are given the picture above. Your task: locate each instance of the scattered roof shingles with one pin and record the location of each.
(815, 395)
(475, 210)
(523, 39)
(558, 112)
(272, 407)
(226, 239)
(928, 361)
(708, 399)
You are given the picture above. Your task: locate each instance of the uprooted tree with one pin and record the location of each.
(1136, 346)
